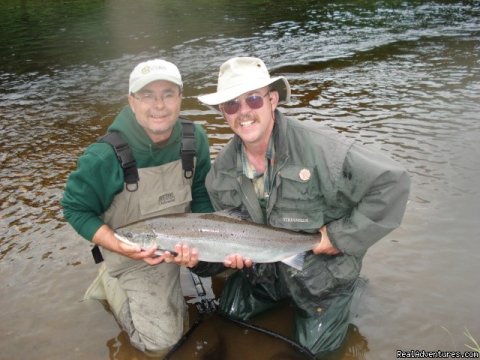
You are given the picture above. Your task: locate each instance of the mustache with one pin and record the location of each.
(246, 116)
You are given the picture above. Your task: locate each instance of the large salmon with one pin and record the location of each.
(217, 235)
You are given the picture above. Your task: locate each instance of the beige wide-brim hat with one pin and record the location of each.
(243, 74)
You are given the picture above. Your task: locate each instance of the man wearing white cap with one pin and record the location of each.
(142, 289)
(298, 176)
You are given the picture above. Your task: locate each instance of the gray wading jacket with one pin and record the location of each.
(319, 177)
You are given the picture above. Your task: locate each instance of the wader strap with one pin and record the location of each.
(125, 157)
(129, 165)
(187, 151)
(130, 171)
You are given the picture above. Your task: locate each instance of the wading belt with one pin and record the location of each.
(129, 165)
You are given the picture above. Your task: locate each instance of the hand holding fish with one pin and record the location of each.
(237, 262)
(105, 237)
(148, 255)
(153, 255)
(135, 252)
(183, 255)
(325, 246)
(219, 237)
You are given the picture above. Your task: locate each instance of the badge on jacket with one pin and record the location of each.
(304, 174)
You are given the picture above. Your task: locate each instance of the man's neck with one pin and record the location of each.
(256, 155)
(160, 138)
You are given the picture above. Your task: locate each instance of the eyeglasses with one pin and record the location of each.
(149, 98)
(253, 102)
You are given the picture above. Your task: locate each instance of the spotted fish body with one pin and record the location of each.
(217, 235)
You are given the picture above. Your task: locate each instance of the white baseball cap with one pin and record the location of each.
(152, 70)
(243, 74)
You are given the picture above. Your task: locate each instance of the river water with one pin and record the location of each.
(402, 77)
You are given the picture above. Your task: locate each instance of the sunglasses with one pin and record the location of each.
(253, 102)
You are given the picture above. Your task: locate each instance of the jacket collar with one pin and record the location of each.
(280, 138)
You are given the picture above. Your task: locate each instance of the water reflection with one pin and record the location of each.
(401, 77)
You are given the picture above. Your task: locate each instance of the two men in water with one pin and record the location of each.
(280, 171)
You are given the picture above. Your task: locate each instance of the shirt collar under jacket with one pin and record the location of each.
(261, 183)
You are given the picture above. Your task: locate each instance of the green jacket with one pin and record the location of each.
(91, 188)
(319, 177)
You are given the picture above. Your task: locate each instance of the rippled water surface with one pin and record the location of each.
(402, 77)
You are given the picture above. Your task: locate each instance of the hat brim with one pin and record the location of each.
(278, 83)
(144, 81)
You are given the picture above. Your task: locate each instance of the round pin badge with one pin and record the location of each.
(304, 174)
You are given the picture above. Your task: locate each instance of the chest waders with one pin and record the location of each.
(138, 320)
(129, 164)
(147, 301)
(210, 306)
(304, 188)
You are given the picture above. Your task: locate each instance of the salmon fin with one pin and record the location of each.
(235, 213)
(296, 261)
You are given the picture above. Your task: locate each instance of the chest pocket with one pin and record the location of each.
(161, 190)
(168, 190)
(227, 192)
(298, 201)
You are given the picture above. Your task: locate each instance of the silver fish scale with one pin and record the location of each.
(217, 235)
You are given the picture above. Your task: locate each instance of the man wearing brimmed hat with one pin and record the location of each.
(142, 289)
(302, 177)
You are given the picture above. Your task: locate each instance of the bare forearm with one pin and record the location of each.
(105, 238)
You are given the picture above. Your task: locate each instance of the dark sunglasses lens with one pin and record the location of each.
(231, 107)
(254, 101)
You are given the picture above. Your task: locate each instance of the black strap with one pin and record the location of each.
(306, 353)
(129, 165)
(97, 255)
(125, 157)
(130, 172)
(188, 149)
(297, 346)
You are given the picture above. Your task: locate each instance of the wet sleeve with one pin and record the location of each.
(378, 188)
(90, 189)
(200, 199)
